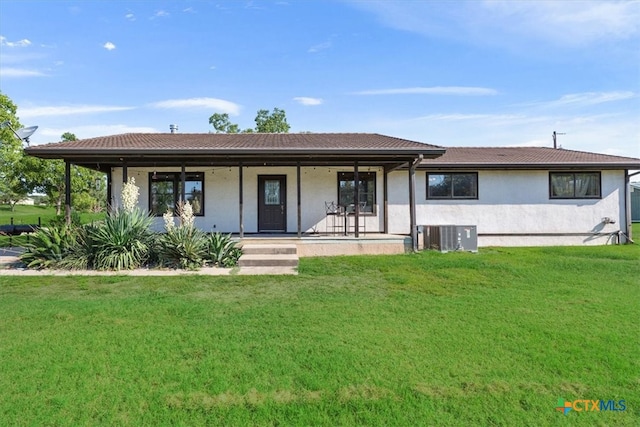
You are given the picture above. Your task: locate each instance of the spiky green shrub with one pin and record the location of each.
(48, 246)
(183, 247)
(223, 251)
(122, 240)
(80, 255)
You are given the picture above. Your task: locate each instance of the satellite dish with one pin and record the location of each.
(25, 133)
(22, 134)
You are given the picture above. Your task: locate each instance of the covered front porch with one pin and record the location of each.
(266, 183)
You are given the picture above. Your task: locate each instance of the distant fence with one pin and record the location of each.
(13, 229)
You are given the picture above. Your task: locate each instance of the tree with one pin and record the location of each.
(13, 186)
(47, 176)
(221, 123)
(275, 122)
(266, 122)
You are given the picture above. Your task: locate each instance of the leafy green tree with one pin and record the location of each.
(221, 123)
(13, 186)
(47, 176)
(266, 122)
(275, 122)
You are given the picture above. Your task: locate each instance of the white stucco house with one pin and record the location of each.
(302, 186)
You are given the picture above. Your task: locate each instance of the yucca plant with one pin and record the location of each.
(223, 251)
(48, 246)
(122, 240)
(183, 246)
(80, 255)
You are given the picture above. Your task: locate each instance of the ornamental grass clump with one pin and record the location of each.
(182, 246)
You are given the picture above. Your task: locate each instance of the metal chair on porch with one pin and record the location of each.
(351, 212)
(334, 218)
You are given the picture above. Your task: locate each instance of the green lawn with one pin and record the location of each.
(24, 214)
(493, 338)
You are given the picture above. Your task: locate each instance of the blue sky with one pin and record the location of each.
(450, 73)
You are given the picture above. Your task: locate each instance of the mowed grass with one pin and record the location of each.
(33, 215)
(493, 338)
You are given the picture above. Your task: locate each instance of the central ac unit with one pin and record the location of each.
(447, 238)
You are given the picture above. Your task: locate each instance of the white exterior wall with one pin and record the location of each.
(514, 209)
(221, 199)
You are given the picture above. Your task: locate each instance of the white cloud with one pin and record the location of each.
(68, 110)
(19, 43)
(189, 10)
(436, 90)
(308, 101)
(20, 72)
(213, 104)
(319, 47)
(109, 46)
(160, 14)
(590, 98)
(503, 22)
(130, 17)
(569, 22)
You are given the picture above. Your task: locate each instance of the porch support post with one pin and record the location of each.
(240, 202)
(109, 189)
(356, 196)
(183, 182)
(385, 196)
(299, 193)
(67, 192)
(412, 202)
(125, 172)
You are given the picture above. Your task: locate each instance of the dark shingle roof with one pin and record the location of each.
(526, 157)
(232, 149)
(239, 142)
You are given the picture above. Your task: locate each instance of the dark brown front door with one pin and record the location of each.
(272, 203)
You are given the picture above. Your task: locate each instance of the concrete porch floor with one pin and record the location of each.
(310, 245)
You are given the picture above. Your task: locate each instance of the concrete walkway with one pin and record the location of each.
(10, 265)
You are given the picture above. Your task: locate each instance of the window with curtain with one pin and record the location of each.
(165, 189)
(574, 185)
(452, 185)
(367, 191)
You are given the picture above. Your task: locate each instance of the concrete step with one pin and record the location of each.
(269, 248)
(268, 260)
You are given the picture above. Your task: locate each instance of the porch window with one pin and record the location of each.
(452, 185)
(367, 189)
(165, 189)
(574, 185)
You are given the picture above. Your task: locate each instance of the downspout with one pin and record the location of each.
(240, 202)
(299, 199)
(412, 202)
(627, 203)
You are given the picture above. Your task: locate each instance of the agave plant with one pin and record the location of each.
(223, 251)
(49, 246)
(122, 241)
